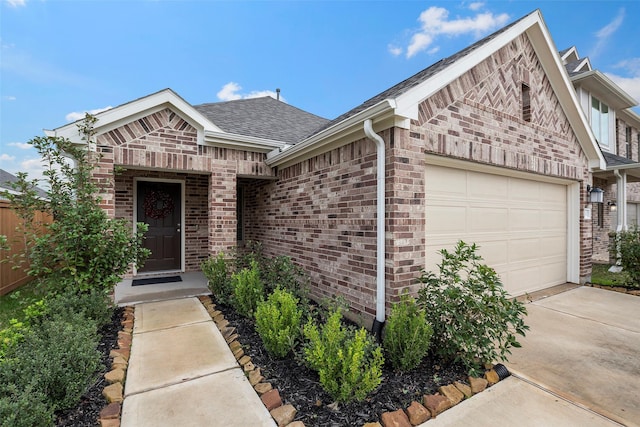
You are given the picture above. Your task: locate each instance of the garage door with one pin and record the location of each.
(519, 224)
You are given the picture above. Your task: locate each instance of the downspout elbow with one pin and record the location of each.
(378, 323)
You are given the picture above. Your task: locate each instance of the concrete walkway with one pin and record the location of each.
(579, 365)
(182, 372)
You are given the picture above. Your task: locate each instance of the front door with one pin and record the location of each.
(159, 206)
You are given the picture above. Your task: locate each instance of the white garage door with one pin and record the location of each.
(519, 224)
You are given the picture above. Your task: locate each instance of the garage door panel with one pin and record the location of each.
(520, 225)
(488, 219)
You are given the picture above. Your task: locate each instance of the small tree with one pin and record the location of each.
(82, 248)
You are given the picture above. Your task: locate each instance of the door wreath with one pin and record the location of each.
(157, 204)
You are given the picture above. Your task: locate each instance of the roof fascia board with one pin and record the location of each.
(629, 116)
(572, 50)
(319, 142)
(134, 110)
(626, 101)
(242, 142)
(563, 88)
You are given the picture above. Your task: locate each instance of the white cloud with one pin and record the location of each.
(435, 22)
(20, 145)
(230, 92)
(630, 83)
(394, 50)
(604, 34)
(9, 98)
(79, 115)
(4, 157)
(16, 3)
(476, 6)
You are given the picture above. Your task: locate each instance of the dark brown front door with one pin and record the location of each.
(159, 206)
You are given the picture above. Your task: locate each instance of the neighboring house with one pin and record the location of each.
(617, 130)
(6, 179)
(488, 145)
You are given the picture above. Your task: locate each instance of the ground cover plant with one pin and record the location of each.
(600, 275)
(629, 242)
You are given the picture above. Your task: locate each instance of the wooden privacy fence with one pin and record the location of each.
(11, 278)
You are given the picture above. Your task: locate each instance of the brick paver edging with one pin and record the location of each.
(115, 378)
(417, 413)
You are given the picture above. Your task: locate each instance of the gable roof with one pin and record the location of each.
(401, 101)
(262, 117)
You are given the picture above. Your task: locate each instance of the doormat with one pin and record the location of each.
(156, 280)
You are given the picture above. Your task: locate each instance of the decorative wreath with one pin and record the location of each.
(157, 204)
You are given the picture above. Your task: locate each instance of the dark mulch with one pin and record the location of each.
(300, 386)
(92, 402)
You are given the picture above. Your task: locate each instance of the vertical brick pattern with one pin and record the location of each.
(163, 145)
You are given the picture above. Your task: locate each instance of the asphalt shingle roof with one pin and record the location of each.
(614, 160)
(263, 118)
(6, 178)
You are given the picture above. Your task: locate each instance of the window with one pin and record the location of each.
(628, 135)
(600, 214)
(600, 121)
(526, 103)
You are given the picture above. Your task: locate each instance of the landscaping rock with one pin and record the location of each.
(271, 399)
(477, 384)
(417, 413)
(491, 376)
(248, 367)
(118, 352)
(111, 411)
(238, 353)
(436, 404)
(235, 345)
(395, 419)
(376, 424)
(113, 393)
(110, 423)
(464, 389)
(244, 360)
(231, 338)
(283, 415)
(115, 376)
(296, 424)
(262, 388)
(255, 377)
(452, 393)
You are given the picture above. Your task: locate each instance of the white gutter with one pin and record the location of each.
(621, 190)
(380, 229)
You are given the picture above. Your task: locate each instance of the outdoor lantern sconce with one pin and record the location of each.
(612, 206)
(596, 195)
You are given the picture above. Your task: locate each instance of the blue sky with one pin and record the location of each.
(61, 58)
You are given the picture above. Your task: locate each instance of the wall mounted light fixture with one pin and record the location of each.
(612, 206)
(595, 194)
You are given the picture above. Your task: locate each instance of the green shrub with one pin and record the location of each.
(278, 322)
(630, 256)
(94, 304)
(216, 271)
(282, 272)
(248, 290)
(473, 319)
(407, 334)
(23, 408)
(348, 362)
(58, 358)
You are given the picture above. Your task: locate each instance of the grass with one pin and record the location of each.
(600, 275)
(12, 304)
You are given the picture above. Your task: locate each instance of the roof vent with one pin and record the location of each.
(278, 94)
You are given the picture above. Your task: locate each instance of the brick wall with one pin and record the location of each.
(163, 145)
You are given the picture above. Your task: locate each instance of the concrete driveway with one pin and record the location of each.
(579, 365)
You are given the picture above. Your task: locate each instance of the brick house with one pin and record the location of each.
(488, 145)
(617, 130)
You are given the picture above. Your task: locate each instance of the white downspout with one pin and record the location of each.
(380, 228)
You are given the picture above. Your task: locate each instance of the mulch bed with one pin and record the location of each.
(92, 402)
(300, 387)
